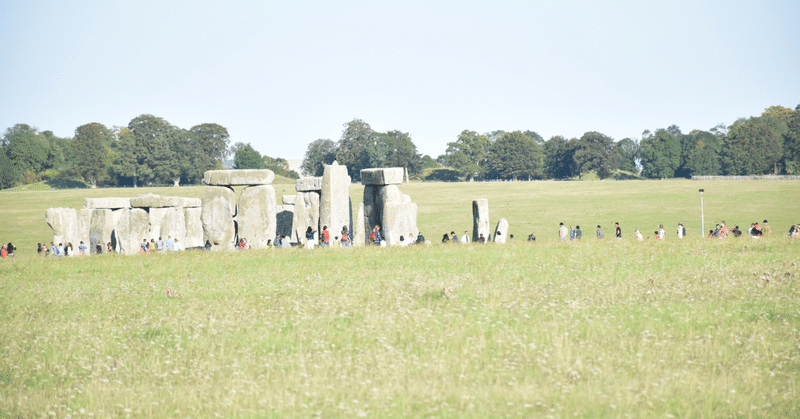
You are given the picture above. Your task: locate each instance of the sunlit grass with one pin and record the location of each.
(692, 328)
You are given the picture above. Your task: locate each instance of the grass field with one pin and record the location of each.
(596, 328)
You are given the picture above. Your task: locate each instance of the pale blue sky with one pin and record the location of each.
(282, 74)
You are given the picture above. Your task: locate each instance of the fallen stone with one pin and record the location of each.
(501, 231)
(106, 203)
(256, 218)
(238, 177)
(384, 176)
(308, 184)
(480, 219)
(156, 201)
(219, 208)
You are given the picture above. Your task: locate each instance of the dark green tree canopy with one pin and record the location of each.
(318, 154)
(246, 157)
(754, 146)
(628, 150)
(91, 153)
(596, 152)
(559, 156)
(468, 154)
(515, 156)
(660, 152)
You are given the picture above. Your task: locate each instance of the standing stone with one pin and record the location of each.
(173, 224)
(399, 219)
(219, 208)
(84, 226)
(156, 216)
(480, 219)
(306, 213)
(238, 177)
(284, 214)
(257, 216)
(64, 222)
(194, 228)
(101, 228)
(360, 234)
(133, 226)
(334, 207)
(501, 231)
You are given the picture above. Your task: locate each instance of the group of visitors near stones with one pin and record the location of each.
(222, 221)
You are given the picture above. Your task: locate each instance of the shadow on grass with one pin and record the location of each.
(66, 184)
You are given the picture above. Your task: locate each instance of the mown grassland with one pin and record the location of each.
(596, 328)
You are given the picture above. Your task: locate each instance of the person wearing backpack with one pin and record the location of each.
(325, 236)
(376, 235)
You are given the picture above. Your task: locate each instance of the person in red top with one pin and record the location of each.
(325, 236)
(3, 252)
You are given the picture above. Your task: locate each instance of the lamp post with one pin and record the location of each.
(702, 218)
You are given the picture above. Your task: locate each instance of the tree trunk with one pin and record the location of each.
(176, 182)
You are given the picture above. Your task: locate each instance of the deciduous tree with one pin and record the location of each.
(515, 156)
(597, 152)
(90, 150)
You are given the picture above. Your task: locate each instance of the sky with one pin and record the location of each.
(279, 75)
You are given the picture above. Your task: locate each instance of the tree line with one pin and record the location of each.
(148, 151)
(769, 143)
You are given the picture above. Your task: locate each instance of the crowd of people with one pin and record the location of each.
(345, 239)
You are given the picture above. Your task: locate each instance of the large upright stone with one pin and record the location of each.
(501, 231)
(106, 203)
(289, 199)
(372, 209)
(156, 201)
(257, 215)
(308, 184)
(284, 215)
(238, 177)
(385, 176)
(101, 228)
(399, 219)
(480, 219)
(133, 226)
(334, 207)
(84, 226)
(64, 222)
(306, 214)
(156, 216)
(194, 228)
(219, 208)
(359, 235)
(172, 224)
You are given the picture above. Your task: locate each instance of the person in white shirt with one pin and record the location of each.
(465, 238)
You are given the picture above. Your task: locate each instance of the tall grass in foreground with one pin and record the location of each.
(692, 328)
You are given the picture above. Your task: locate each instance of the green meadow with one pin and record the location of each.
(592, 328)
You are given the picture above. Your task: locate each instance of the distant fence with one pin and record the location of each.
(748, 177)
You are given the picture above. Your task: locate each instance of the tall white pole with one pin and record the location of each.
(702, 217)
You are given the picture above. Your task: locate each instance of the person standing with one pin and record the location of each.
(618, 231)
(661, 232)
(599, 232)
(160, 244)
(310, 242)
(3, 251)
(345, 237)
(578, 232)
(376, 235)
(562, 232)
(766, 229)
(325, 236)
(465, 238)
(177, 245)
(170, 244)
(681, 230)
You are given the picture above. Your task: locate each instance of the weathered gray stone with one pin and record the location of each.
(385, 176)
(334, 206)
(106, 203)
(359, 235)
(284, 215)
(194, 228)
(173, 224)
(102, 225)
(308, 184)
(155, 217)
(64, 222)
(191, 202)
(306, 213)
(219, 208)
(501, 231)
(289, 199)
(238, 177)
(155, 201)
(480, 219)
(399, 219)
(133, 226)
(256, 217)
(84, 226)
